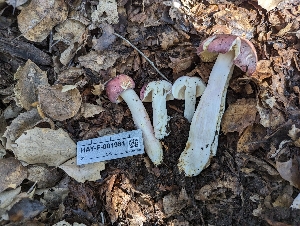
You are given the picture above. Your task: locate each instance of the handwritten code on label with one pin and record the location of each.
(110, 147)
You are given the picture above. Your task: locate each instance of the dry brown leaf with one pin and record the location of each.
(45, 177)
(106, 11)
(263, 70)
(29, 77)
(70, 76)
(168, 39)
(82, 173)
(180, 64)
(57, 104)
(89, 110)
(134, 214)
(239, 115)
(98, 61)
(25, 209)
(289, 171)
(219, 189)
(116, 201)
(23, 122)
(38, 18)
(12, 173)
(237, 20)
(173, 204)
(251, 139)
(6, 197)
(294, 133)
(43, 145)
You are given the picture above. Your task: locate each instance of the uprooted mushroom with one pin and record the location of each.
(158, 92)
(202, 143)
(121, 88)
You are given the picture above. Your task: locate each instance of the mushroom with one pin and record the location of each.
(188, 89)
(203, 136)
(158, 92)
(121, 88)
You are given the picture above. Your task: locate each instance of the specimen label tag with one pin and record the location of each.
(110, 147)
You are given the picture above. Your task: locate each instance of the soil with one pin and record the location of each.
(242, 185)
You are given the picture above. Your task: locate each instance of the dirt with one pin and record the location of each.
(242, 185)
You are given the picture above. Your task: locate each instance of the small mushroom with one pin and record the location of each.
(121, 88)
(202, 143)
(158, 92)
(188, 89)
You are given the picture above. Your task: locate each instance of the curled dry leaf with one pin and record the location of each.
(38, 18)
(107, 11)
(263, 70)
(45, 177)
(12, 173)
(23, 122)
(29, 77)
(82, 173)
(238, 21)
(168, 39)
(70, 32)
(106, 39)
(173, 204)
(289, 171)
(96, 61)
(57, 104)
(25, 209)
(239, 115)
(6, 197)
(252, 138)
(70, 76)
(89, 110)
(43, 145)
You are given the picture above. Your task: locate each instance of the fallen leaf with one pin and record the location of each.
(6, 197)
(44, 176)
(252, 138)
(29, 77)
(25, 209)
(82, 173)
(263, 70)
(98, 61)
(168, 39)
(239, 115)
(43, 145)
(38, 18)
(289, 171)
(12, 173)
(173, 204)
(106, 11)
(89, 110)
(53, 197)
(180, 64)
(106, 39)
(57, 104)
(23, 122)
(294, 133)
(269, 4)
(70, 76)
(134, 214)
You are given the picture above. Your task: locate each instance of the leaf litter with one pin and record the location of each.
(55, 102)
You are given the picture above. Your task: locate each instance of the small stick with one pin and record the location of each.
(143, 55)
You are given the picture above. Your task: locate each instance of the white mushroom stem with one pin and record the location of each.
(142, 121)
(189, 102)
(160, 116)
(203, 136)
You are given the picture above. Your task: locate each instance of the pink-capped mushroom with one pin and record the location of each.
(121, 88)
(158, 92)
(202, 143)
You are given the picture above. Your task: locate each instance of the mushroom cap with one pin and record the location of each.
(117, 85)
(153, 87)
(179, 86)
(245, 53)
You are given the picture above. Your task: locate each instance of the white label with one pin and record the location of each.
(110, 147)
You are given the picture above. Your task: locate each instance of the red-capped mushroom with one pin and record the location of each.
(202, 143)
(121, 88)
(158, 92)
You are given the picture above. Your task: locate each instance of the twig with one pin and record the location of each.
(143, 55)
